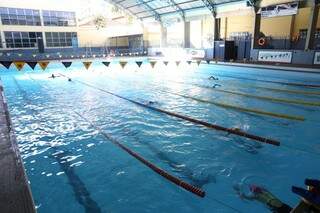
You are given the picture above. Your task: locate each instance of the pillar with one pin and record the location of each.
(163, 36)
(217, 24)
(312, 26)
(256, 29)
(187, 34)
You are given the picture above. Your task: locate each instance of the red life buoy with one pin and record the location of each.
(262, 41)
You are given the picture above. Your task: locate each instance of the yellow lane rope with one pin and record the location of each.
(272, 99)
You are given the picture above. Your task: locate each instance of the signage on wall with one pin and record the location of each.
(275, 56)
(316, 58)
(287, 9)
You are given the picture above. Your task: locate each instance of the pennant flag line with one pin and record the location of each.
(66, 64)
(106, 63)
(153, 63)
(139, 63)
(208, 61)
(87, 64)
(32, 64)
(198, 62)
(189, 62)
(166, 63)
(19, 64)
(177, 63)
(123, 63)
(43, 64)
(6, 64)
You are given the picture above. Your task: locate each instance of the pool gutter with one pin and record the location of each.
(15, 193)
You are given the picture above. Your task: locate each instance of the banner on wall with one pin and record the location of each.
(316, 58)
(275, 56)
(287, 9)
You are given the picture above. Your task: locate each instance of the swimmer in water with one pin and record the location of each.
(213, 78)
(310, 197)
(69, 79)
(216, 85)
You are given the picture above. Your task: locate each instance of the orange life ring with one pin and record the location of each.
(262, 41)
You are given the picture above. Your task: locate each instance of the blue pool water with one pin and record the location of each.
(73, 168)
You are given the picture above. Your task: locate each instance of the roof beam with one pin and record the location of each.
(173, 4)
(150, 9)
(210, 6)
(168, 13)
(163, 7)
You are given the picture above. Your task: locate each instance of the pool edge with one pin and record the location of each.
(15, 193)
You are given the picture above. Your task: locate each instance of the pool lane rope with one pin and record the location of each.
(190, 119)
(269, 81)
(288, 91)
(272, 99)
(195, 190)
(272, 114)
(238, 108)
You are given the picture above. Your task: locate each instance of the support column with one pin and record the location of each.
(314, 12)
(217, 24)
(187, 43)
(256, 29)
(163, 36)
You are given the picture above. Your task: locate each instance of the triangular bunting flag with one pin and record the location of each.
(66, 64)
(153, 63)
(198, 62)
(106, 63)
(139, 63)
(208, 61)
(32, 64)
(189, 62)
(43, 64)
(166, 63)
(6, 64)
(177, 63)
(87, 64)
(19, 64)
(123, 63)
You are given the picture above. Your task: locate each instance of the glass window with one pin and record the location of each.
(17, 16)
(21, 39)
(58, 18)
(60, 39)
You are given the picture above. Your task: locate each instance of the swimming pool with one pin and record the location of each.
(72, 167)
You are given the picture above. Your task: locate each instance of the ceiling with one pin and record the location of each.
(157, 9)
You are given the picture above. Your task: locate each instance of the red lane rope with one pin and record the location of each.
(192, 120)
(171, 178)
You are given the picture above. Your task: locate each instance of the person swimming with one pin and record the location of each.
(216, 85)
(310, 198)
(69, 79)
(213, 78)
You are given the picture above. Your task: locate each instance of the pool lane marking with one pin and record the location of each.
(78, 186)
(193, 189)
(280, 100)
(238, 108)
(190, 119)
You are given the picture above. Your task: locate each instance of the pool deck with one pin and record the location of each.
(15, 193)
